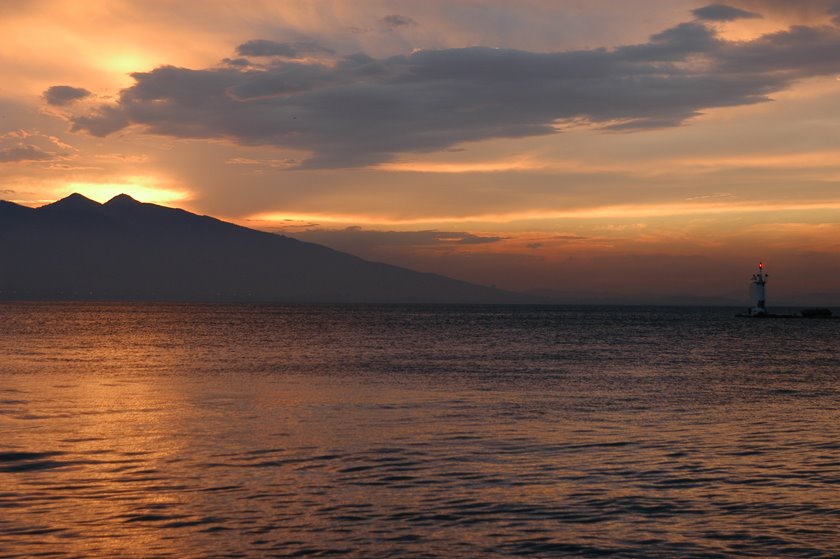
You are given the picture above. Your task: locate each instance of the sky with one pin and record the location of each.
(592, 149)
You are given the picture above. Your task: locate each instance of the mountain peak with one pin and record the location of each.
(122, 200)
(73, 203)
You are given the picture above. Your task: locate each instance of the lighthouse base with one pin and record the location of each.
(765, 314)
(805, 313)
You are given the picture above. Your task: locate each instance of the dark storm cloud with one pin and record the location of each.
(360, 111)
(394, 21)
(296, 49)
(21, 153)
(722, 12)
(64, 94)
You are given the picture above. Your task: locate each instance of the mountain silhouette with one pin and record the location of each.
(77, 248)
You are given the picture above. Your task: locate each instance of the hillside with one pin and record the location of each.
(77, 249)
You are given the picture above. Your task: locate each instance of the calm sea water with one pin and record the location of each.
(290, 431)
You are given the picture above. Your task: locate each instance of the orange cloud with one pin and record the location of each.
(632, 211)
(515, 164)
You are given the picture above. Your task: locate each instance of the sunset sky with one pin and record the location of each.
(592, 148)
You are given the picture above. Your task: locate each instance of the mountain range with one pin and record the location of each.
(76, 249)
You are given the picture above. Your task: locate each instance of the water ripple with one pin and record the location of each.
(205, 431)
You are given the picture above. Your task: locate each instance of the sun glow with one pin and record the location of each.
(126, 62)
(142, 189)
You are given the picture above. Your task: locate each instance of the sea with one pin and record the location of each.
(187, 430)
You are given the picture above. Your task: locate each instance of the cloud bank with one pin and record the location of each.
(29, 146)
(22, 153)
(355, 110)
(263, 47)
(359, 239)
(394, 21)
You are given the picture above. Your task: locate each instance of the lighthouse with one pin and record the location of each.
(759, 280)
(759, 307)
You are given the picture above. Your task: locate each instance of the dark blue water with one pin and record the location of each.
(270, 431)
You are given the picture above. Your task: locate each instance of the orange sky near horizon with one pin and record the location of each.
(682, 131)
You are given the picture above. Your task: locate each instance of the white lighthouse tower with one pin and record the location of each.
(759, 280)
